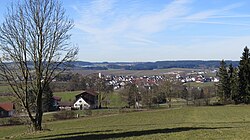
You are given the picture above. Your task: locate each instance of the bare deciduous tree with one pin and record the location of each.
(34, 47)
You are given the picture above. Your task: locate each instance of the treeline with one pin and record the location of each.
(76, 81)
(151, 65)
(166, 91)
(179, 64)
(81, 65)
(234, 85)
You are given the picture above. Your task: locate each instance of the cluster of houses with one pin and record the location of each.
(120, 81)
(84, 100)
(196, 78)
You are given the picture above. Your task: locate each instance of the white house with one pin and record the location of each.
(81, 104)
(216, 80)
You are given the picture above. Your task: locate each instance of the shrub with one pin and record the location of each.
(10, 121)
(87, 112)
(66, 114)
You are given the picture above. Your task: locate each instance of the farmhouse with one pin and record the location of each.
(86, 100)
(6, 109)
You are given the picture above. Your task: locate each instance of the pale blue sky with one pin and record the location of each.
(152, 30)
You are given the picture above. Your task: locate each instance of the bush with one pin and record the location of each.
(66, 114)
(10, 121)
(127, 110)
(15, 121)
(87, 112)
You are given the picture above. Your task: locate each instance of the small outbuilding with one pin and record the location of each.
(7, 109)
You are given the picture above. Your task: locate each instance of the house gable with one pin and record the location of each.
(91, 98)
(81, 104)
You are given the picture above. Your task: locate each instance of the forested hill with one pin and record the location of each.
(150, 65)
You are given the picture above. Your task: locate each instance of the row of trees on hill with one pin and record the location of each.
(137, 95)
(234, 85)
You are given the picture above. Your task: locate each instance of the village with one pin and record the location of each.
(89, 99)
(124, 69)
(199, 77)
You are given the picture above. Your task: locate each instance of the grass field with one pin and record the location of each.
(135, 72)
(217, 122)
(4, 89)
(6, 99)
(67, 95)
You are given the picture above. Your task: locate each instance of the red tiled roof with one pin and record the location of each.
(7, 106)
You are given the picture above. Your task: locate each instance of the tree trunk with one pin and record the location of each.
(169, 102)
(37, 123)
(39, 113)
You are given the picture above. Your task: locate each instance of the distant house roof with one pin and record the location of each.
(66, 104)
(7, 106)
(57, 98)
(93, 93)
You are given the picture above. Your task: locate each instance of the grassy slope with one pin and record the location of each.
(116, 100)
(4, 89)
(224, 122)
(6, 99)
(68, 95)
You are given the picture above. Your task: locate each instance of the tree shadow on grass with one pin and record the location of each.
(112, 126)
(77, 133)
(80, 136)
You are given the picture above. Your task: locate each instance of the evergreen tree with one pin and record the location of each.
(223, 87)
(244, 77)
(233, 82)
(48, 101)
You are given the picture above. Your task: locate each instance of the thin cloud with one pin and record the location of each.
(141, 41)
(108, 28)
(219, 23)
(212, 12)
(230, 16)
(157, 21)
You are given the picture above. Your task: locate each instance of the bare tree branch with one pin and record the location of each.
(35, 48)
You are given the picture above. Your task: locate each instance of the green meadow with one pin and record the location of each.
(215, 122)
(67, 95)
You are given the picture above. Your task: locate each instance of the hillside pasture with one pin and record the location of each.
(215, 122)
(67, 95)
(6, 99)
(4, 89)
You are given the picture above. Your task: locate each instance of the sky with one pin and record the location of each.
(157, 30)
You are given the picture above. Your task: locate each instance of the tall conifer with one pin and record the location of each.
(244, 77)
(224, 90)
